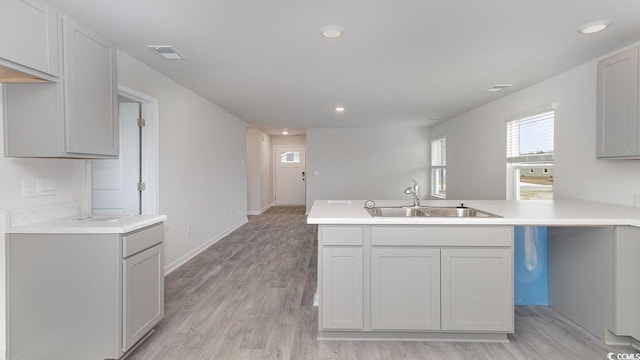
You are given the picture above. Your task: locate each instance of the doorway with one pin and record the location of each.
(289, 175)
(128, 185)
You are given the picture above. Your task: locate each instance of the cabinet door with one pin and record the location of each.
(143, 294)
(341, 301)
(617, 107)
(90, 91)
(405, 288)
(477, 289)
(28, 34)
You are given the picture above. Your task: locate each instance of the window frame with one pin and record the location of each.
(435, 169)
(515, 163)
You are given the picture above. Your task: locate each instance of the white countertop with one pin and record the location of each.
(526, 212)
(66, 219)
(94, 225)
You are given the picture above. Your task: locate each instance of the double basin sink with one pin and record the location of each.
(427, 211)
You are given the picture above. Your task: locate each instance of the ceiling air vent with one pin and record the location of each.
(167, 52)
(499, 87)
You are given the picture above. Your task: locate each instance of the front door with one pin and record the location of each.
(290, 175)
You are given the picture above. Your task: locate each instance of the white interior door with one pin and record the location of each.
(290, 176)
(114, 183)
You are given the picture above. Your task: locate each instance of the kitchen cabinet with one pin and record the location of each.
(29, 38)
(81, 296)
(413, 281)
(76, 117)
(143, 284)
(627, 282)
(617, 129)
(405, 288)
(477, 290)
(341, 278)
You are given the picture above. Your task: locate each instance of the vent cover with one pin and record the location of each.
(167, 52)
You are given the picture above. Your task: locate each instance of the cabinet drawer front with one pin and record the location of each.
(442, 235)
(133, 243)
(342, 235)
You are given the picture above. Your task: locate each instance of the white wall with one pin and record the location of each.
(476, 143)
(288, 140)
(69, 176)
(259, 188)
(366, 163)
(202, 181)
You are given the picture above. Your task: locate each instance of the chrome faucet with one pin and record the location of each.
(414, 191)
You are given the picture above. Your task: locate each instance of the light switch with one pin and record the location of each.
(316, 173)
(28, 188)
(46, 187)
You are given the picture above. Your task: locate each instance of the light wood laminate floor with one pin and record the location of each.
(250, 296)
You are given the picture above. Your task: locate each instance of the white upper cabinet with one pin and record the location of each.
(617, 129)
(76, 117)
(90, 91)
(28, 40)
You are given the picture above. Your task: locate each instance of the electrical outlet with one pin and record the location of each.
(29, 188)
(188, 230)
(636, 200)
(46, 187)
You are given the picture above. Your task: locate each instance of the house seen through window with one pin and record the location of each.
(530, 157)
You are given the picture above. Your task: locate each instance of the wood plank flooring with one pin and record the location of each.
(250, 296)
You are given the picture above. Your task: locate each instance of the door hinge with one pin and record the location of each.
(141, 122)
(141, 186)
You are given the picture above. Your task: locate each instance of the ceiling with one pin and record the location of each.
(407, 63)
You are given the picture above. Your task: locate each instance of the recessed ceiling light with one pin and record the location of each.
(166, 51)
(499, 87)
(339, 109)
(594, 27)
(285, 133)
(332, 31)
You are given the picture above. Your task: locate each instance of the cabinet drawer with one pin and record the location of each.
(135, 242)
(442, 235)
(342, 235)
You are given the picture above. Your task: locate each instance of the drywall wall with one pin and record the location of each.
(202, 178)
(259, 175)
(69, 176)
(476, 143)
(366, 163)
(288, 140)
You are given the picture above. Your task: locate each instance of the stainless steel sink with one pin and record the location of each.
(427, 211)
(457, 212)
(397, 211)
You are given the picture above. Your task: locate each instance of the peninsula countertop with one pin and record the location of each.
(510, 212)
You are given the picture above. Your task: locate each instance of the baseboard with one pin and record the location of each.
(193, 253)
(610, 338)
(259, 212)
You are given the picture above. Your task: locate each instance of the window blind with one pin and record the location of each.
(530, 139)
(439, 152)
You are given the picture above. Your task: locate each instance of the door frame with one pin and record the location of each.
(150, 159)
(274, 166)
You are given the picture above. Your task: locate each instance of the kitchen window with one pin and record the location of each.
(439, 168)
(530, 157)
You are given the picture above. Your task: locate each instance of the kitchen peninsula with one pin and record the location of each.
(451, 278)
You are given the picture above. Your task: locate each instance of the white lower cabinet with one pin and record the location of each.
(342, 282)
(82, 296)
(143, 294)
(402, 281)
(405, 288)
(477, 289)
